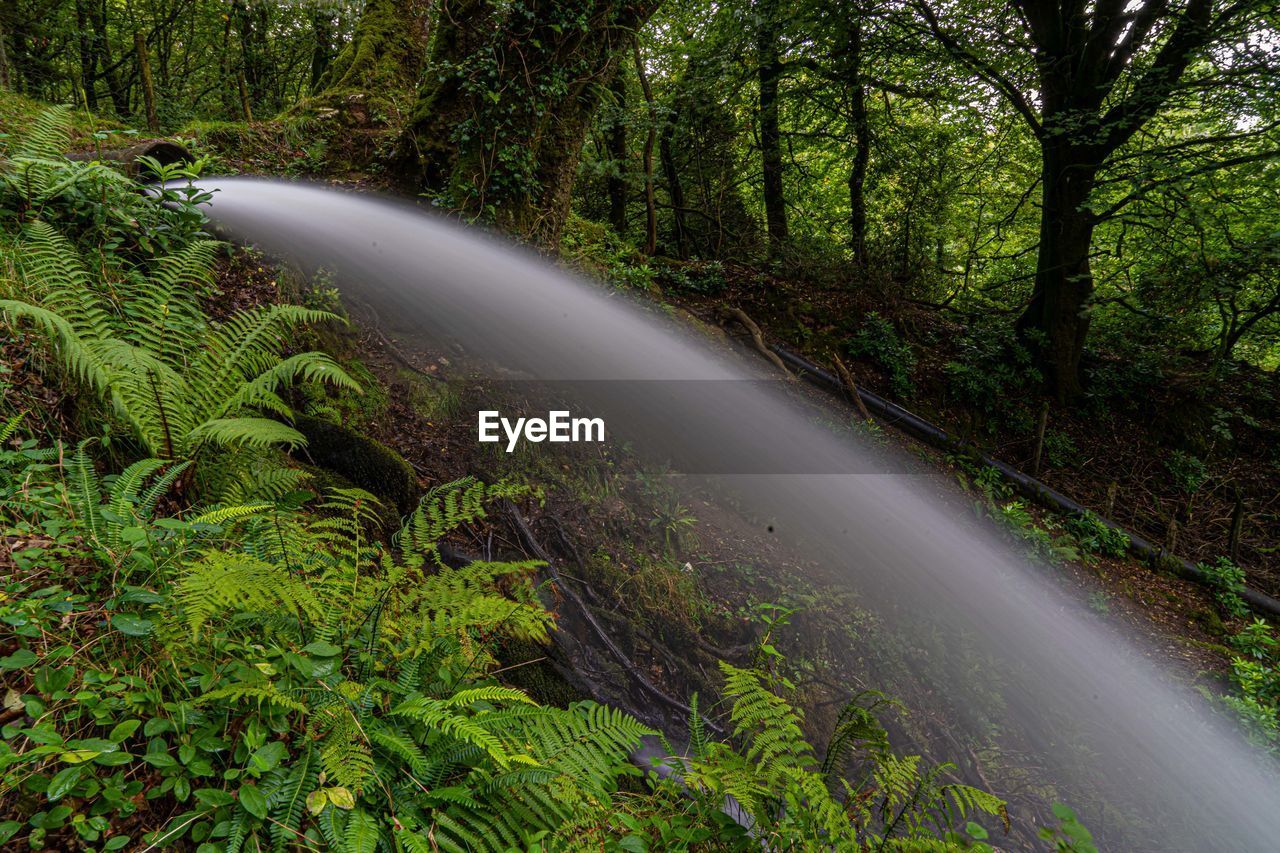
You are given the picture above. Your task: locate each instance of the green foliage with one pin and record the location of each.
(598, 251)
(1226, 579)
(674, 523)
(1094, 536)
(789, 798)
(992, 373)
(1044, 538)
(101, 209)
(879, 341)
(269, 621)
(181, 385)
(451, 505)
(1188, 471)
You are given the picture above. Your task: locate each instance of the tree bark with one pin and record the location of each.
(5, 82)
(1058, 310)
(616, 146)
(97, 13)
(861, 147)
(148, 90)
(769, 76)
(675, 189)
(321, 48)
(650, 204)
(498, 132)
(387, 50)
(88, 59)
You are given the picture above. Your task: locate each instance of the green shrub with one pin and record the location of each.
(993, 372)
(96, 206)
(877, 340)
(1226, 580)
(1096, 537)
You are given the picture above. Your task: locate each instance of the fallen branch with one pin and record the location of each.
(850, 387)
(756, 336)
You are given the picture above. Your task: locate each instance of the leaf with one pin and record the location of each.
(131, 625)
(214, 797)
(267, 756)
(19, 659)
(123, 731)
(321, 649)
(253, 801)
(62, 783)
(341, 797)
(8, 829)
(317, 800)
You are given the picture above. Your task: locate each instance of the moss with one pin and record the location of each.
(364, 462)
(432, 399)
(528, 668)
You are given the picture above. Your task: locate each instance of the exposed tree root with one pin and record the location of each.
(532, 545)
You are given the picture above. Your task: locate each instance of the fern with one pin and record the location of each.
(181, 385)
(448, 507)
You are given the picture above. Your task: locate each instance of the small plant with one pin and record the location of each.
(1187, 471)
(1227, 580)
(142, 344)
(96, 206)
(674, 524)
(993, 371)
(879, 341)
(1060, 449)
(1257, 641)
(1095, 536)
(1069, 836)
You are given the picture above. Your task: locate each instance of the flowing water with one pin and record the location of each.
(1100, 715)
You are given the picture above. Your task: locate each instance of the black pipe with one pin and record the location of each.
(915, 426)
(129, 159)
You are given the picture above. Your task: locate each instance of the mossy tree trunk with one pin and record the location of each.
(385, 53)
(502, 115)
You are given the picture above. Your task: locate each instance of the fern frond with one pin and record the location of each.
(48, 136)
(242, 432)
(221, 515)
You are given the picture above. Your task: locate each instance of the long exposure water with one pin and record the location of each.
(1100, 714)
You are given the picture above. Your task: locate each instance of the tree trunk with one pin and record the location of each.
(88, 59)
(251, 59)
(387, 50)
(770, 74)
(1064, 282)
(675, 189)
(498, 132)
(144, 74)
(861, 148)
(5, 82)
(102, 47)
(616, 145)
(321, 48)
(650, 204)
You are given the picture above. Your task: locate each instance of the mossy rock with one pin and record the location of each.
(365, 462)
